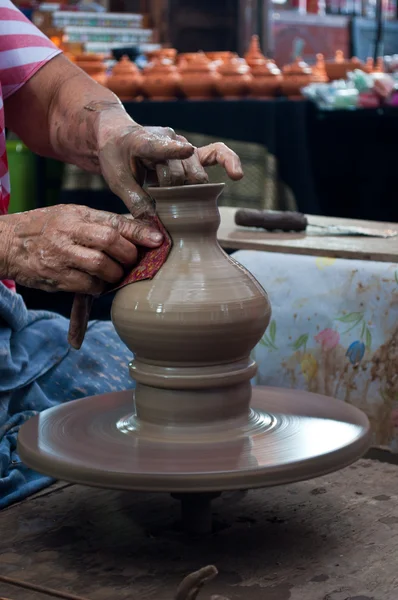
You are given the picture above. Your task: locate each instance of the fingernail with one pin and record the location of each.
(155, 236)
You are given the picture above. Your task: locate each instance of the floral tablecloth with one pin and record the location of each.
(334, 331)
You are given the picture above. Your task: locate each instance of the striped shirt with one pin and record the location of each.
(23, 50)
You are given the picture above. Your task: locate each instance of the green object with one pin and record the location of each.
(22, 168)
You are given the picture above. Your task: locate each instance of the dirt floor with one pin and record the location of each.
(335, 538)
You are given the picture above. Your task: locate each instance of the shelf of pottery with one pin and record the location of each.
(203, 76)
(97, 32)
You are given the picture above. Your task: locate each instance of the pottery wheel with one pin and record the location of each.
(289, 435)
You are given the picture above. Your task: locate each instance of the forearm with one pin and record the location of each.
(57, 113)
(5, 242)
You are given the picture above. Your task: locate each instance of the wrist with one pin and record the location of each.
(6, 238)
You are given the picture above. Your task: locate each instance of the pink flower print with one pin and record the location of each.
(328, 338)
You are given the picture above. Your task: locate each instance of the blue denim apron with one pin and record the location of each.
(38, 370)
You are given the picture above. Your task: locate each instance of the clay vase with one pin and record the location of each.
(235, 78)
(339, 68)
(125, 79)
(198, 78)
(93, 65)
(266, 77)
(193, 326)
(219, 58)
(296, 76)
(161, 80)
(169, 53)
(319, 70)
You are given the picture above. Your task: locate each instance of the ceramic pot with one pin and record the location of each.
(93, 65)
(186, 57)
(125, 79)
(169, 53)
(219, 58)
(339, 68)
(296, 76)
(235, 78)
(319, 70)
(161, 80)
(198, 78)
(266, 77)
(371, 67)
(193, 326)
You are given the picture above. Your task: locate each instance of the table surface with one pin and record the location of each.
(330, 539)
(311, 242)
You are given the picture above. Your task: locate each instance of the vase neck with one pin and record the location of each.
(189, 211)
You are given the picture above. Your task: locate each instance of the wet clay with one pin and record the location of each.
(194, 426)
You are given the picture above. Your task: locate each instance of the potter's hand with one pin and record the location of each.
(135, 155)
(72, 248)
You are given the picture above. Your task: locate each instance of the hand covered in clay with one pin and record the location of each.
(73, 248)
(130, 155)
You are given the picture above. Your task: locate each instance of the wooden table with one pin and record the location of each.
(335, 538)
(311, 242)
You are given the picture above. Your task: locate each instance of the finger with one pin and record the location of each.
(171, 173)
(72, 280)
(194, 171)
(109, 240)
(219, 153)
(143, 233)
(95, 263)
(154, 147)
(124, 185)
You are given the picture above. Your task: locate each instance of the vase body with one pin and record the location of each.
(296, 76)
(198, 78)
(192, 327)
(235, 78)
(125, 79)
(161, 80)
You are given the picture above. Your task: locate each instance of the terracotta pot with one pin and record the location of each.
(169, 53)
(370, 67)
(198, 78)
(219, 58)
(319, 70)
(235, 78)
(93, 65)
(193, 326)
(125, 80)
(339, 68)
(266, 75)
(161, 80)
(296, 76)
(186, 57)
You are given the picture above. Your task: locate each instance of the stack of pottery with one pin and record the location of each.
(235, 80)
(266, 75)
(319, 70)
(125, 80)
(339, 68)
(93, 65)
(296, 76)
(198, 77)
(161, 80)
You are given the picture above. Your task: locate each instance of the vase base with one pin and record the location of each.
(288, 435)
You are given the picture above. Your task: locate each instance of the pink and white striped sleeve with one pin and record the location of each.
(24, 49)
